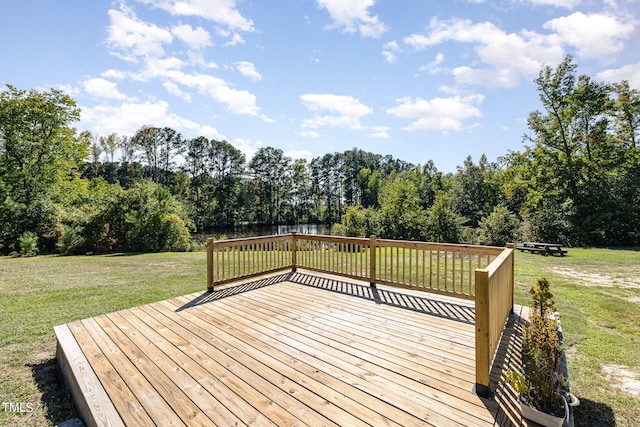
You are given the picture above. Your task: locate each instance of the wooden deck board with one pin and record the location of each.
(300, 349)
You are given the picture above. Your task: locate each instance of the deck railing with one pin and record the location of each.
(493, 304)
(435, 267)
(480, 273)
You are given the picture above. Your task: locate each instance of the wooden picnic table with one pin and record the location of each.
(542, 248)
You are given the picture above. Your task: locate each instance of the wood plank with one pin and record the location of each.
(211, 373)
(383, 388)
(128, 406)
(241, 340)
(156, 406)
(370, 361)
(171, 384)
(200, 387)
(90, 398)
(238, 377)
(403, 357)
(370, 330)
(319, 351)
(388, 322)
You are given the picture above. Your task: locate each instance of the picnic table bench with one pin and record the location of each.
(542, 248)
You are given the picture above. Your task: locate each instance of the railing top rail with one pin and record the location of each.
(496, 263)
(325, 238)
(242, 240)
(450, 247)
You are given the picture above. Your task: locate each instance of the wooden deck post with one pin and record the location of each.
(512, 278)
(483, 356)
(294, 259)
(372, 260)
(209, 265)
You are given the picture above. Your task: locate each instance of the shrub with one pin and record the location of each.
(28, 244)
(499, 228)
(69, 241)
(541, 379)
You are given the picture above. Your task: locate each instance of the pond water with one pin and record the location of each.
(252, 230)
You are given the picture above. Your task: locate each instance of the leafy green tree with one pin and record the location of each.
(443, 223)
(200, 196)
(225, 166)
(476, 190)
(370, 183)
(357, 222)
(327, 183)
(270, 171)
(499, 228)
(160, 146)
(38, 150)
(401, 216)
(301, 196)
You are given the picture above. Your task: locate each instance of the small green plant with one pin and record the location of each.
(69, 241)
(540, 381)
(28, 244)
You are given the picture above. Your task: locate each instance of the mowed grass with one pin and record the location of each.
(42, 292)
(597, 291)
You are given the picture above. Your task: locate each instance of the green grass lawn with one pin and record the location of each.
(597, 292)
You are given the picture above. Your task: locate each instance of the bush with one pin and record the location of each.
(28, 244)
(499, 228)
(550, 223)
(69, 241)
(444, 224)
(144, 218)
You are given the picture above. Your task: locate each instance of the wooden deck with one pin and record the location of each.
(295, 349)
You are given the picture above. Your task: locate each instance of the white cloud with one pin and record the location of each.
(196, 39)
(630, 72)
(248, 69)
(248, 147)
(236, 39)
(222, 12)
(102, 88)
(595, 36)
(509, 57)
(131, 38)
(389, 51)
(113, 74)
(354, 16)
(237, 101)
(438, 113)
(70, 90)
(506, 59)
(348, 111)
(434, 66)
(141, 42)
(127, 118)
(309, 134)
(379, 132)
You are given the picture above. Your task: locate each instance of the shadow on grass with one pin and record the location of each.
(625, 248)
(593, 414)
(55, 397)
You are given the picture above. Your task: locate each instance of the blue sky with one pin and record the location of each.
(416, 79)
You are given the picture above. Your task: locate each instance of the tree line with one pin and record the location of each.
(576, 182)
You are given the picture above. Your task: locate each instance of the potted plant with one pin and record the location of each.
(541, 380)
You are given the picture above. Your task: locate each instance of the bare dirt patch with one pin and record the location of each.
(623, 379)
(598, 279)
